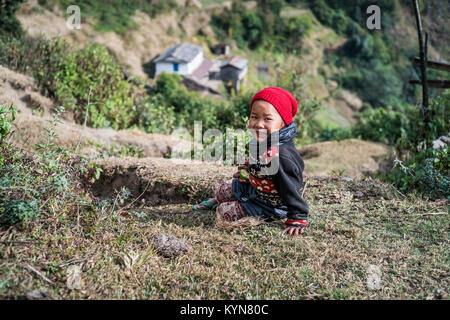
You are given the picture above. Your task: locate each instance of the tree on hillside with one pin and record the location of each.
(9, 25)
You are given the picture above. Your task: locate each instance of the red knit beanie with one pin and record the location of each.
(281, 99)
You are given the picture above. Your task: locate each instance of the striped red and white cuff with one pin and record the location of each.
(296, 223)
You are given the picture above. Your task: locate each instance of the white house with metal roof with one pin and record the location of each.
(183, 59)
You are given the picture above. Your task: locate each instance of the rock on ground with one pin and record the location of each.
(168, 245)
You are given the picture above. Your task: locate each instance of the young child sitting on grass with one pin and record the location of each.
(268, 196)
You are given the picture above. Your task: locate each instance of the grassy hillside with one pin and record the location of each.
(366, 240)
(87, 183)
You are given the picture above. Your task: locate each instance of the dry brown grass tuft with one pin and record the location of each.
(238, 225)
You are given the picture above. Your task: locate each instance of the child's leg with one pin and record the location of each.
(224, 193)
(231, 210)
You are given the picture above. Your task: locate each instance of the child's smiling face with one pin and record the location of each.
(264, 119)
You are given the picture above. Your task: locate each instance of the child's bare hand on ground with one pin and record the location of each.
(293, 231)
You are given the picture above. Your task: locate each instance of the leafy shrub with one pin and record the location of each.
(9, 25)
(38, 57)
(427, 172)
(404, 126)
(188, 106)
(7, 117)
(418, 166)
(93, 70)
(386, 124)
(69, 76)
(156, 116)
(15, 211)
(32, 186)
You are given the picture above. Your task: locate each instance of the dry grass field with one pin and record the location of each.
(365, 240)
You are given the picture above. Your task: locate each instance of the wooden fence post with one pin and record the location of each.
(423, 47)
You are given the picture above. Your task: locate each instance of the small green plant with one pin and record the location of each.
(7, 117)
(15, 211)
(426, 172)
(41, 184)
(97, 170)
(338, 172)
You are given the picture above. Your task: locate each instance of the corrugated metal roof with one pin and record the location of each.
(236, 62)
(183, 52)
(202, 70)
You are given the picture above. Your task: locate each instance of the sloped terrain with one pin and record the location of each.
(352, 158)
(34, 114)
(357, 158)
(365, 240)
(136, 47)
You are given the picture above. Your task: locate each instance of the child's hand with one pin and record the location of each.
(293, 231)
(294, 227)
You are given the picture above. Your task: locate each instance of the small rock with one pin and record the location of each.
(37, 295)
(74, 277)
(168, 245)
(347, 179)
(373, 279)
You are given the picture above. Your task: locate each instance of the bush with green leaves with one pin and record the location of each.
(92, 76)
(156, 116)
(418, 166)
(38, 57)
(386, 125)
(403, 127)
(14, 211)
(7, 117)
(426, 171)
(185, 107)
(262, 27)
(9, 25)
(34, 186)
(75, 77)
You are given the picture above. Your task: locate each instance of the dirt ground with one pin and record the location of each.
(351, 158)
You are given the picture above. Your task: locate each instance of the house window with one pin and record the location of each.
(175, 67)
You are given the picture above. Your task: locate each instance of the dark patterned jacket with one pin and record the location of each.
(275, 195)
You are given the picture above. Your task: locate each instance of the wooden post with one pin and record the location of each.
(423, 48)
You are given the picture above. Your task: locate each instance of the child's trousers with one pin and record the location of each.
(229, 207)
